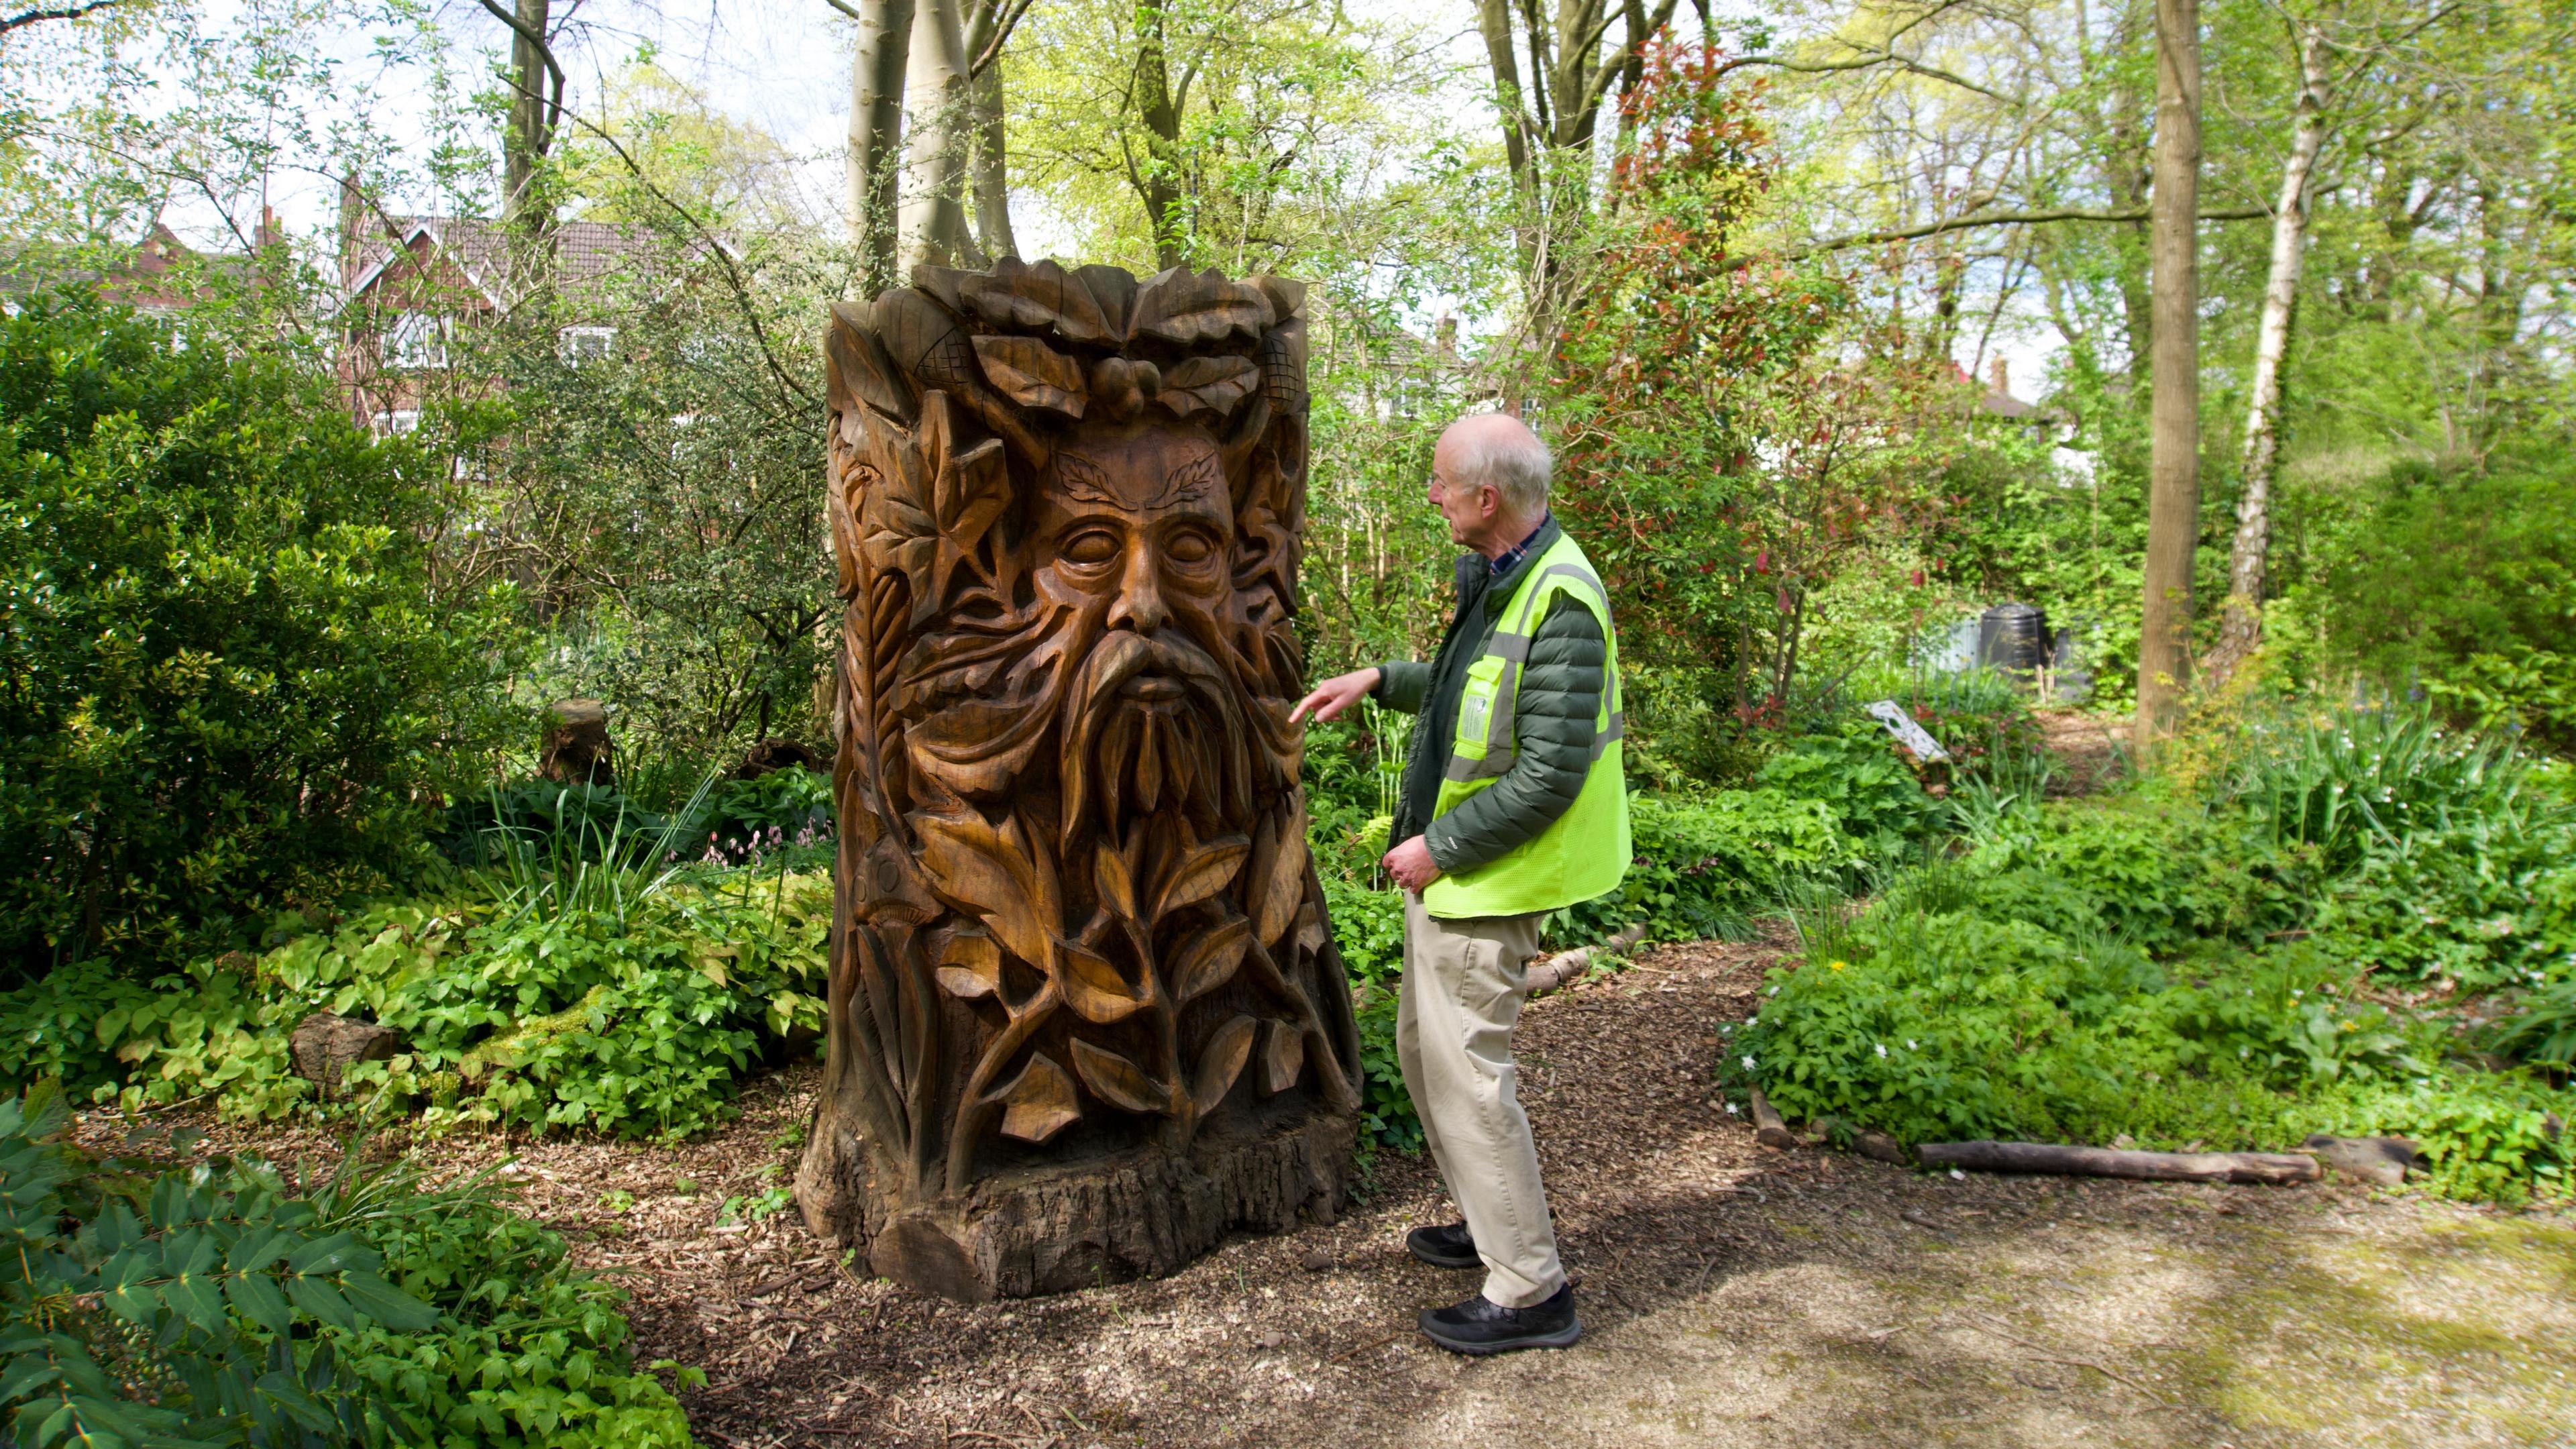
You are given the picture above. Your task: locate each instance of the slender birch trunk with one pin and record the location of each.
(2173, 489)
(877, 78)
(2242, 627)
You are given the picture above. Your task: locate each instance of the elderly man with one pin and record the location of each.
(1513, 806)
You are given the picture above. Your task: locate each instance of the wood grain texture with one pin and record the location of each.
(1074, 894)
(2049, 1157)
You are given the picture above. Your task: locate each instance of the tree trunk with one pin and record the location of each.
(876, 136)
(1159, 182)
(1494, 21)
(2242, 626)
(2173, 497)
(932, 210)
(991, 156)
(525, 212)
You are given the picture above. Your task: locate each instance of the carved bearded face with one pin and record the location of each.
(1134, 543)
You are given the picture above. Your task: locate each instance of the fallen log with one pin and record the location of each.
(1768, 1129)
(1565, 966)
(2265, 1167)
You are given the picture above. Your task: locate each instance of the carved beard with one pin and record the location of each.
(1155, 725)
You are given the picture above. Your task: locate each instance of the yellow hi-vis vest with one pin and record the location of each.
(1585, 851)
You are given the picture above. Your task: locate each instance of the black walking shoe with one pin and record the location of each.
(1477, 1326)
(1444, 1247)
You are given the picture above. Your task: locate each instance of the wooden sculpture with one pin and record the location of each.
(1086, 1010)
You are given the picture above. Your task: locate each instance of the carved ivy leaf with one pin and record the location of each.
(1210, 960)
(1278, 884)
(1221, 1061)
(1117, 882)
(1040, 1101)
(971, 967)
(1118, 1081)
(1201, 872)
(1093, 987)
(1284, 1059)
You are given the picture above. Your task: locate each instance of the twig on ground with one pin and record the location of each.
(1994, 1326)
(1356, 1349)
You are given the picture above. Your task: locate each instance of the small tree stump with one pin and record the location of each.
(576, 750)
(1768, 1129)
(326, 1044)
(2381, 1160)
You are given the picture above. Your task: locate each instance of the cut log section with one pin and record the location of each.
(2048, 1157)
(1768, 1129)
(1566, 966)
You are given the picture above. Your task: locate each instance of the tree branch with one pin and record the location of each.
(1991, 218)
(848, 9)
(66, 12)
(992, 50)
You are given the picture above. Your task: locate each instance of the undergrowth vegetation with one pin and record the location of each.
(2272, 938)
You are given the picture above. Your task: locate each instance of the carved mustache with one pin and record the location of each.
(1155, 749)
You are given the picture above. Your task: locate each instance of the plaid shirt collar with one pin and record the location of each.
(1503, 562)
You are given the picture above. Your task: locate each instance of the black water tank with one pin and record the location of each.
(2013, 638)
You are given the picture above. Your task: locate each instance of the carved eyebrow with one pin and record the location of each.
(1086, 481)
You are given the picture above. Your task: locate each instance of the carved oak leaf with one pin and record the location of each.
(1040, 1101)
(1284, 1059)
(1093, 986)
(1210, 960)
(1197, 308)
(1207, 384)
(1201, 872)
(1039, 297)
(1118, 1081)
(1278, 884)
(1032, 374)
(1221, 1061)
(989, 870)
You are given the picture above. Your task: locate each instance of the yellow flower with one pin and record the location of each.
(1836, 965)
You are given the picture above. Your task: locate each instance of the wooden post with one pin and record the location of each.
(1086, 1011)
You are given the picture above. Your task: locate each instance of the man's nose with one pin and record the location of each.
(1139, 605)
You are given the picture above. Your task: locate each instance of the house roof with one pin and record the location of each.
(478, 247)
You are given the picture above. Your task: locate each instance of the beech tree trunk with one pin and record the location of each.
(2241, 628)
(1158, 178)
(536, 105)
(876, 135)
(2173, 498)
(932, 211)
(991, 171)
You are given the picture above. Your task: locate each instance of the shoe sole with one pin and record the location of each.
(1437, 1261)
(1562, 1338)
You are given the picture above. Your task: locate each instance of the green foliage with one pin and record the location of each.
(229, 677)
(1855, 773)
(636, 1024)
(212, 1305)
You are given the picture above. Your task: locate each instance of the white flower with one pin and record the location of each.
(1882, 1050)
(1730, 1109)
(1752, 1020)
(1748, 1064)
(1912, 1045)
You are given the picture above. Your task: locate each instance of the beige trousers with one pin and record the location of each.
(1464, 983)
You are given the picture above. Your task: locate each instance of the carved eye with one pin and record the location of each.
(1191, 547)
(1092, 546)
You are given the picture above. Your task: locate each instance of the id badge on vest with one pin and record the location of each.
(1476, 699)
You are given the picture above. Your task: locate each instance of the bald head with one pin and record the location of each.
(1497, 451)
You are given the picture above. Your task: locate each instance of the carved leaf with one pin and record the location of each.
(1032, 374)
(1208, 384)
(1211, 960)
(1040, 1101)
(1278, 884)
(1117, 882)
(1201, 872)
(988, 869)
(1310, 928)
(1194, 308)
(1093, 987)
(971, 967)
(1118, 1081)
(1221, 1061)
(1284, 1059)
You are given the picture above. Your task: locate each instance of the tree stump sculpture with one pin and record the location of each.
(1086, 1010)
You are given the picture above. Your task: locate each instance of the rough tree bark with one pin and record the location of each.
(877, 78)
(2241, 626)
(932, 209)
(1157, 178)
(2173, 496)
(527, 135)
(1086, 1011)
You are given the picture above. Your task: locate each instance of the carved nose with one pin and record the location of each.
(1140, 596)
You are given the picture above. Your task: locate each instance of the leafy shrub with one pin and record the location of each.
(1707, 861)
(229, 677)
(635, 1024)
(1855, 771)
(215, 1306)
(48, 1028)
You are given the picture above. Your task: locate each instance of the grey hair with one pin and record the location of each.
(1511, 461)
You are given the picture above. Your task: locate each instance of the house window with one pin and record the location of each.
(417, 340)
(586, 344)
(394, 422)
